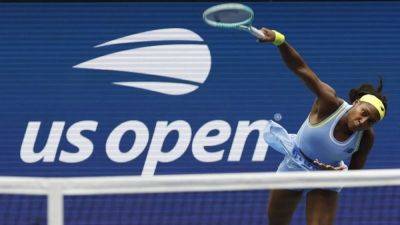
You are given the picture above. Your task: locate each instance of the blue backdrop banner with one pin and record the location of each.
(148, 88)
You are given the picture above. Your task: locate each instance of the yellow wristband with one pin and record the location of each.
(279, 38)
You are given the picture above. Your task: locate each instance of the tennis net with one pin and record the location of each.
(368, 197)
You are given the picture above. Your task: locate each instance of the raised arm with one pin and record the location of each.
(298, 66)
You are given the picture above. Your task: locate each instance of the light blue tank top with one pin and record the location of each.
(317, 141)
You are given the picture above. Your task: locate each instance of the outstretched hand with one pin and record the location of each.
(324, 166)
(269, 35)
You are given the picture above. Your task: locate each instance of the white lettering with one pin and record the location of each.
(140, 143)
(48, 153)
(243, 130)
(84, 145)
(211, 134)
(202, 140)
(156, 153)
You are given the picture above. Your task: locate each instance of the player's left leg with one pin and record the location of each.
(321, 207)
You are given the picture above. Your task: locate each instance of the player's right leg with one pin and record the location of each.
(321, 207)
(281, 206)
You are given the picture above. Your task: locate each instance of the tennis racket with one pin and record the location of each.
(232, 16)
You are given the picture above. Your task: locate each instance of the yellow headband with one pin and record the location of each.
(376, 102)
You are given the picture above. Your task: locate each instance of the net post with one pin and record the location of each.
(55, 205)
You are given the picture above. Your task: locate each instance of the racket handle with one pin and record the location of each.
(256, 32)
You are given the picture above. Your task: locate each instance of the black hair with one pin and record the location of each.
(364, 89)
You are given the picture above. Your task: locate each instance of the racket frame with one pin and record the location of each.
(244, 25)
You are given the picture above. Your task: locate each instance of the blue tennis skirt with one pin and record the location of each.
(279, 139)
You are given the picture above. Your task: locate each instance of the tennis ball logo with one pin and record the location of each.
(187, 65)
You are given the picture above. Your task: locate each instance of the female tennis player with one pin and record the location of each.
(334, 131)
